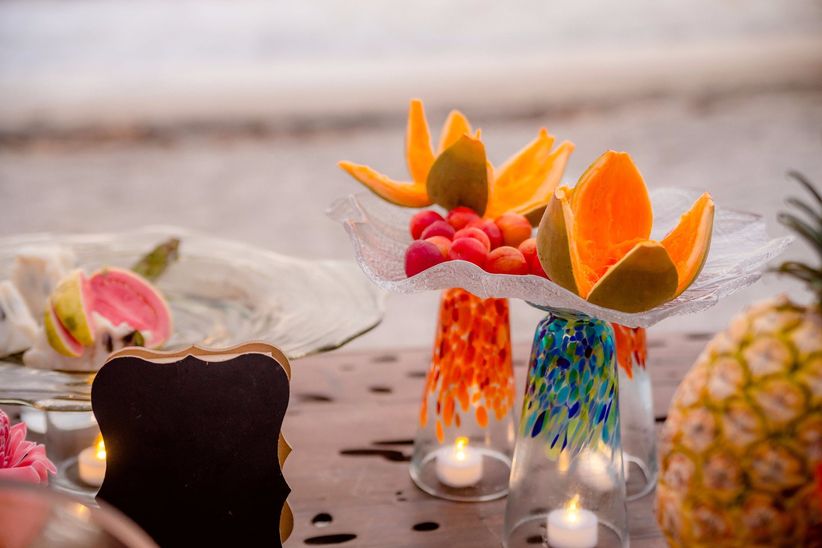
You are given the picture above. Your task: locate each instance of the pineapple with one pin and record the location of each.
(743, 438)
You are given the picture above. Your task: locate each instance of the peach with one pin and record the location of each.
(438, 228)
(421, 255)
(506, 260)
(443, 243)
(528, 248)
(421, 221)
(459, 217)
(515, 228)
(475, 233)
(468, 249)
(491, 230)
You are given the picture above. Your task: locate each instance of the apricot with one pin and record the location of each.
(475, 233)
(528, 248)
(443, 243)
(459, 217)
(491, 230)
(421, 255)
(421, 221)
(438, 228)
(515, 228)
(468, 249)
(506, 260)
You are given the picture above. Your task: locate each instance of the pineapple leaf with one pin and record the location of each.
(799, 204)
(806, 231)
(806, 183)
(808, 228)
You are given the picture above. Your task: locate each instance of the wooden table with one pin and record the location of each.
(352, 421)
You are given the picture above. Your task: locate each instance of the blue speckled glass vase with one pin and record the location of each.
(567, 485)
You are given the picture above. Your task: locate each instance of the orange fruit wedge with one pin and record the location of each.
(401, 194)
(688, 243)
(594, 239)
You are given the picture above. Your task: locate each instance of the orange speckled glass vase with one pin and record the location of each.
(465, 438)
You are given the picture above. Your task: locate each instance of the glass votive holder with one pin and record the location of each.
(71, 439)
(567, 484)
(636, 412)
(465, 438)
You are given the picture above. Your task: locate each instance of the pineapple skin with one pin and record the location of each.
(743, 435)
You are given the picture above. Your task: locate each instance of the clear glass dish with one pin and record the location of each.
(740, 249)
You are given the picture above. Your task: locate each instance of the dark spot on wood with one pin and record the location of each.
(401, 499)
(387, 454)
(426, 526)
(538, 511)
(385, 358)
(380, 389)
(394, 442)
(534, 539)
(416, 374)
(663, 418)
(339, 538)
(699, 336)
(323, 519)
(398, 493)
(314, 398)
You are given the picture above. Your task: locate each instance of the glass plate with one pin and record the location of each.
(220, 292)
(740, 250)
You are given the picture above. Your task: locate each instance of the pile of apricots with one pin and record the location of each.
(500, 246)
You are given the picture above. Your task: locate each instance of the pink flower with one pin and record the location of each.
(21, 460)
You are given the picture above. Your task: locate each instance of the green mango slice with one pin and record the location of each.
(459, 176)
(644, 278)
(553, 249)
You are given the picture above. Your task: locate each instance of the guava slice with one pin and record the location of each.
(58, 336)
(70, 302)
(121, 296)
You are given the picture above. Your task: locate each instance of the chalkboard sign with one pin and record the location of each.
(194, 451)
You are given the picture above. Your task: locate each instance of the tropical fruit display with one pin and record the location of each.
(459, 173)
(120, 297)
(594, 239)
(83, 317)
(490, 213)
(742, 444)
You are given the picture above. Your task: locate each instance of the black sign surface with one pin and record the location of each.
(192, 446)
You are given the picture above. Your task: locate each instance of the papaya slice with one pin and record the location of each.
(459, 176)
(402, 194)
(553, 250)
(518, 176)
(455, 126)
(543, 183)
(688, 243)
(644, 278)
(611, 206)
(418, 153)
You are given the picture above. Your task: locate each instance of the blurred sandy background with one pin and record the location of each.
(228, 118)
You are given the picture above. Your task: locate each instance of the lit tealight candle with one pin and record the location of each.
(572, 527)
(460, 465)
(92, 463)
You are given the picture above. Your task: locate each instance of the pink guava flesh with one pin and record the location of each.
(124, 297)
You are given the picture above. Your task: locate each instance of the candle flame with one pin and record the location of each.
(101, 447)
(459, 447)
(572, 509)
